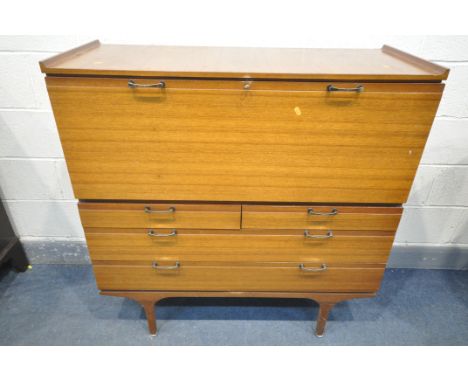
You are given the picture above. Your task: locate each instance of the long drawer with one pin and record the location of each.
(344, 247)
(321, 217)
(212, 140)
(266, 277)
(160, 215)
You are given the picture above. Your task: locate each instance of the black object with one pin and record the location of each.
(11, 249)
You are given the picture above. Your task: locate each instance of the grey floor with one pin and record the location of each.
(59, 305)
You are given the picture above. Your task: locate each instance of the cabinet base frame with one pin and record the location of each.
(326, 301)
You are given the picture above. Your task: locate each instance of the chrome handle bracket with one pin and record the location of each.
(322, 268)
(310, 211)
(357, 89)
(155, 265)
(153, 233)
(149, 210)
(133, 85)
(328, 235)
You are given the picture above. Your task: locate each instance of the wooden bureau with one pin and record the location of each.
(241, 172)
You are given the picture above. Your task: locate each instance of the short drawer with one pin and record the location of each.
(160, 215)
(321, 217)
(284, 277)
(344, 247)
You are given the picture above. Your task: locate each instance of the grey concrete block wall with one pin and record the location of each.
(39, 198)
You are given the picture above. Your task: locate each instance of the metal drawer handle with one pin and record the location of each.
(152, 233)
(322, 268)
(334, 211)
(170, 210)
(357, 89)
(157, 266)
(307, 235)
(132, 84)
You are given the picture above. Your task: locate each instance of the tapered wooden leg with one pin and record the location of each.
(148, 299)
(149, 308)
(322, 317)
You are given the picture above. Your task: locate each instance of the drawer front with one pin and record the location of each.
(213, 140)
(162, 215)
(321, 217)
(286, 277)
(237, 246)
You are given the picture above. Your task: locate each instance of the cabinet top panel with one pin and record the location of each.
(385, 64)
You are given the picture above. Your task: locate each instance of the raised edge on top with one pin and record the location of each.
(386, 64)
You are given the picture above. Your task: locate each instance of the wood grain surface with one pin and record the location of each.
(345, 247)
(297, 217)
(225, 62)
(271, 143)
(268, 277)
(230, 150)
(133, 215)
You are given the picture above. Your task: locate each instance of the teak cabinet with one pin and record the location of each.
(241, 171)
